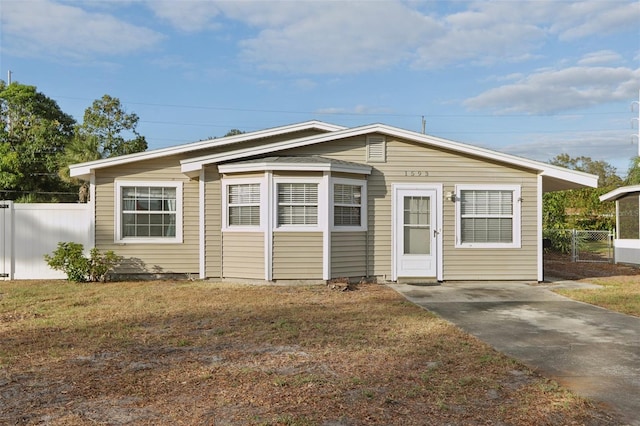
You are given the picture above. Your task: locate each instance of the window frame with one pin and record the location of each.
(363, 204)
(516, 215)
(226, 183)
(120, 239)
(321, 204)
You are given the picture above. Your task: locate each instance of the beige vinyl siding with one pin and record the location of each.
(348, 254)
(297, 255)
(149, 258)
(446, 168)
(496, 264)
(213, 223)
(243, 255)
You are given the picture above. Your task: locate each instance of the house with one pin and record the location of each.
(316, 201)
(627, 242)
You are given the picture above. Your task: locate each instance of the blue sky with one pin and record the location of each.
(530, 78)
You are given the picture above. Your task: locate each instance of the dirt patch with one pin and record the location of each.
(561, 266)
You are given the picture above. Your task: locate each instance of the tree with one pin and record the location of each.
(233, 132)
(105, 125)
(581, 208)
(107, 131)
(606, 173)
(34, 132)
(633, 174)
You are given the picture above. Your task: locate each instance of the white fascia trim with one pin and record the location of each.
(83, 170)
(305, 167)
(193, 164)
(574, 176)
(619, 192)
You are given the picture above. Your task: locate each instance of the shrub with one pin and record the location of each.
(69, 258)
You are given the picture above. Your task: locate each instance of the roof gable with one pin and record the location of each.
(84, 170)
(620, 192)
(554, 177)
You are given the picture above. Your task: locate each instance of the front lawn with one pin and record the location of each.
(618, 293)
(166, 353)
(620, 283)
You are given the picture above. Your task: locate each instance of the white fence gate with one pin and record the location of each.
(29, 231)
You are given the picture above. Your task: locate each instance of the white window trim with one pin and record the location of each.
(517, 216)
(322, 207)
(118, 238)
(363, 204)
(225, 205)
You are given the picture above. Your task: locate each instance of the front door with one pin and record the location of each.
(416, 232)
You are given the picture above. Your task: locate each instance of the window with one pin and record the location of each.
(297, 203)
(349, 204)
(243, 204)
(628, 217)
(488, 216)
(149, 212)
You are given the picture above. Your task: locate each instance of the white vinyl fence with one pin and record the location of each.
(29, 231)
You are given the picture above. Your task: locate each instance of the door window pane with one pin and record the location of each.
(417, 229)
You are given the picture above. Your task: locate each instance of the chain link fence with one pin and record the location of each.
(579, 245)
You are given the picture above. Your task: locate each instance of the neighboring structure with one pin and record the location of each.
(627, 242)
(315, 201)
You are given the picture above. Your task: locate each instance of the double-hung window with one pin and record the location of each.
(349, 204)
(243, 204)
(148, 212)
(297, 204)
(488, 216)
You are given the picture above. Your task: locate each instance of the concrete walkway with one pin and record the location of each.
(592, 351)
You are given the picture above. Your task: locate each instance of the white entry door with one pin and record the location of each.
(416, 232)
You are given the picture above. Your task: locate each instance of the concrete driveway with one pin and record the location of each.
(590, 350)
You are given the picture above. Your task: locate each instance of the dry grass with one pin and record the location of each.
(620, 284)
(206, 353)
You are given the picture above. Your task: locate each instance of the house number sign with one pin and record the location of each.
(416, 173)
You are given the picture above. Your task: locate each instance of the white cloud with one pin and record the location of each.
(186, 15)
(600, 58)
(337, 37)
(42, 26)
(349, 37)
(581, 19)
(355, 110)
(324, 37)
(552, 91)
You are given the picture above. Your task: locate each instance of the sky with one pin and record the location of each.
(528, 78)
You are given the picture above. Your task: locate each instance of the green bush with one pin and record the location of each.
(69, 258)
